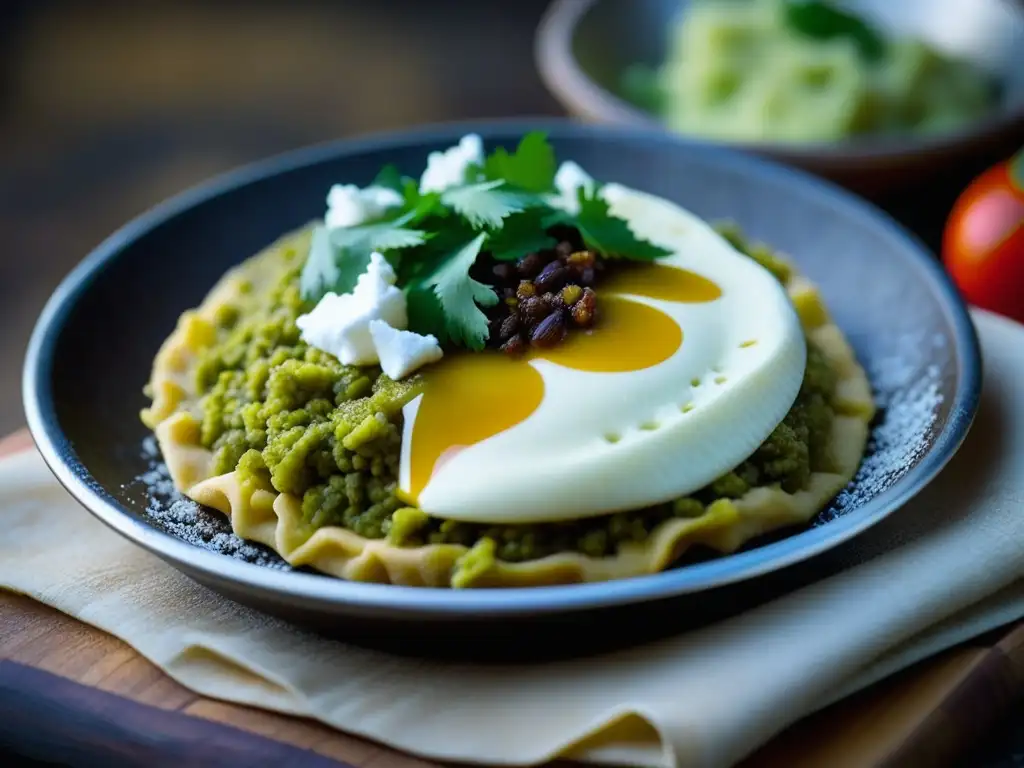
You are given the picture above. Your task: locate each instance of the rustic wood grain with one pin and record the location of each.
(924, 716)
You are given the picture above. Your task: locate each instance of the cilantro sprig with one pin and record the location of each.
(503, 207)
(530, 168)
(460, 296)
(603, 232)
(486, 204)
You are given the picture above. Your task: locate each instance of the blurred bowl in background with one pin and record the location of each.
(583, 47)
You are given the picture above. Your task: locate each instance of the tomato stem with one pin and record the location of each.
(1015, 168)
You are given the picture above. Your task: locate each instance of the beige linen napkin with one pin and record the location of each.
(706, 698)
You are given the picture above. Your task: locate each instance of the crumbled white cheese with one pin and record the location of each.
(377, 284)
(569, 178)
(340, 325)
(448, 169)
(349, 206)
(402, 352)
(334, 325)
(367, 326)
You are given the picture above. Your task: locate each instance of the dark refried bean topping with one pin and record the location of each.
(545, 294)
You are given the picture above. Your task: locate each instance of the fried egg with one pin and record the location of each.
(694, 361)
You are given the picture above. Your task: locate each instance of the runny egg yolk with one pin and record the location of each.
(470, 397)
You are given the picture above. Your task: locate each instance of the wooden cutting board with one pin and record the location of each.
(72, 694)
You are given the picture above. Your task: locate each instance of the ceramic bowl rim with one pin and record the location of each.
(574, 89)
(58, 454)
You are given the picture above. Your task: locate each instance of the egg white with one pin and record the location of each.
(603, 442)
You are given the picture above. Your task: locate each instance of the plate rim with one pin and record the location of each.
(415, 602)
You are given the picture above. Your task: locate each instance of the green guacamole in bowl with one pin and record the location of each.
(797, 72)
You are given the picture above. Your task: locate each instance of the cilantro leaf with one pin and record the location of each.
(379, 237)
(331, 268)
(448, 235)
(338, 256)
(522, 233)
(351, 263)
(389, 178)
(531, 167)
(459, 294)
(484, 204)
(419, 205)
(424, 311)
(320, 271)
(603, 232)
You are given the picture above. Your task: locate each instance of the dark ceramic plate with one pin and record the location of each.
(93, 346)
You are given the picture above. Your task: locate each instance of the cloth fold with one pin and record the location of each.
(706, 698)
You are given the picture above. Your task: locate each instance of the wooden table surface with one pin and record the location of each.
(74, 695)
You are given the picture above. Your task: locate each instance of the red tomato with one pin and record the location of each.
(983, 244)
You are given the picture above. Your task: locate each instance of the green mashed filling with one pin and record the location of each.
(778, 70)
(293, 419)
